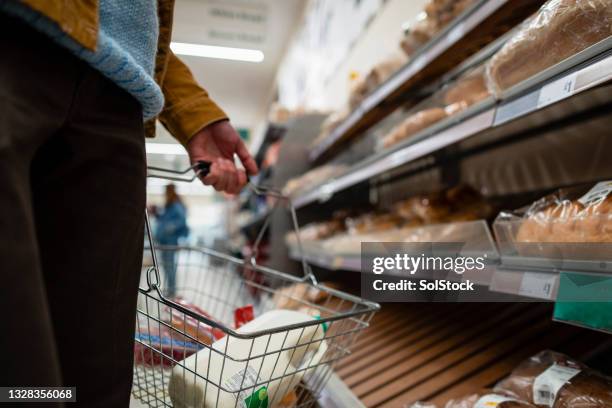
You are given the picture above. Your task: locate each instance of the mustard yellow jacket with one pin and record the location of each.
(188, 108)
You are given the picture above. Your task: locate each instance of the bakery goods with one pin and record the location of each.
(468, 89)
(487, 399)
(560, 29)
(413, 124)
(551, 379)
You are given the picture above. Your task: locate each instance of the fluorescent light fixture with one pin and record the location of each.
(213, 51)
(166, 148)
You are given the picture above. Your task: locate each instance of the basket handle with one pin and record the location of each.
(201, 169)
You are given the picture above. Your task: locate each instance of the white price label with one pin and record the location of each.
(597, 194)
(546, 386)
(538, 285)
(557, 90)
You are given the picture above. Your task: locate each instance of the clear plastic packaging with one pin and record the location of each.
(436, 15)
(487, 399)
(560, 29)
(452, 99)
(312, 178)
(554, 380)
(413, 124)
(453, 215)
(566, 224)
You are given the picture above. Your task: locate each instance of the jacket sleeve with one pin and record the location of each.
(188, 108)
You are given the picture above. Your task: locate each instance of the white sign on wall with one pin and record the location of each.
(330, 29)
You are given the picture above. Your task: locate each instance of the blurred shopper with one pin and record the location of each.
(81, 82)
(171, 227)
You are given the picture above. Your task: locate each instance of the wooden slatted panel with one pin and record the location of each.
(439, 351)
(575, 346)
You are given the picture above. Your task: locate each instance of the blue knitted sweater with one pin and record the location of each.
(127, 44)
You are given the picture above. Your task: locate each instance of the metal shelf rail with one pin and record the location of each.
(476, 27)
(569, 79)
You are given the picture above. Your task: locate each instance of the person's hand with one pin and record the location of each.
(217, 143)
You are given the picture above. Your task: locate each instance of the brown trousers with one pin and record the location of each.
(72, 199)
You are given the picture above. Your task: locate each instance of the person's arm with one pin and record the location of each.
(203, 128)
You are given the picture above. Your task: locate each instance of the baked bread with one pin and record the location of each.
(534, 381)
(487, 398)
(560, 29)
(468, 90)
(413, 124)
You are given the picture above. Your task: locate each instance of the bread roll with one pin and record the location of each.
(560, 29)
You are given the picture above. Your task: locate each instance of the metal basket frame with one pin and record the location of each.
(344, 316)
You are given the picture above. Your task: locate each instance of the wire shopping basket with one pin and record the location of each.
(196, 345)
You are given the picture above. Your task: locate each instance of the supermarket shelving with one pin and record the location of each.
(527, 278)
(569, 88)
(476, 27)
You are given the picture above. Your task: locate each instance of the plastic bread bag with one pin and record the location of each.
(571, 222)
(487, 399)
(468, 89)
(413, 124)
(420, 404)
(560, 29)
(554, 380)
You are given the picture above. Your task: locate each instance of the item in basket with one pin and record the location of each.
(487, 399)
(243, 315)
(560, 29)
(582, 214)
(271, 359)
(413, 124)
(551, 379)
(289, 400)
(156, 347)
(191, 326)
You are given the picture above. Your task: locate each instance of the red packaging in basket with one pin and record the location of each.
(157, 346)
(191, 326)
(243, 315)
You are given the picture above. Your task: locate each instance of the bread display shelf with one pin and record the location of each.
(569, 91)
(474, 28)
(254, 220)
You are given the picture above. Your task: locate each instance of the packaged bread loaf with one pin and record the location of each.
(312, 177)
(551, 379)
(560, 29)
(554, 224)
(487, 399)
(383, 70)
(413, 124)
(417, 34)
(468, 89)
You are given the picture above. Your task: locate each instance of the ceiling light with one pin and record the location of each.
(166, 148)
(213, 51)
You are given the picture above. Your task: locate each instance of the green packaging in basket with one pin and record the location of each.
(249, 373)
(585, 300)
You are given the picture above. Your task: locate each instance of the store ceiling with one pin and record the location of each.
(243, 89)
